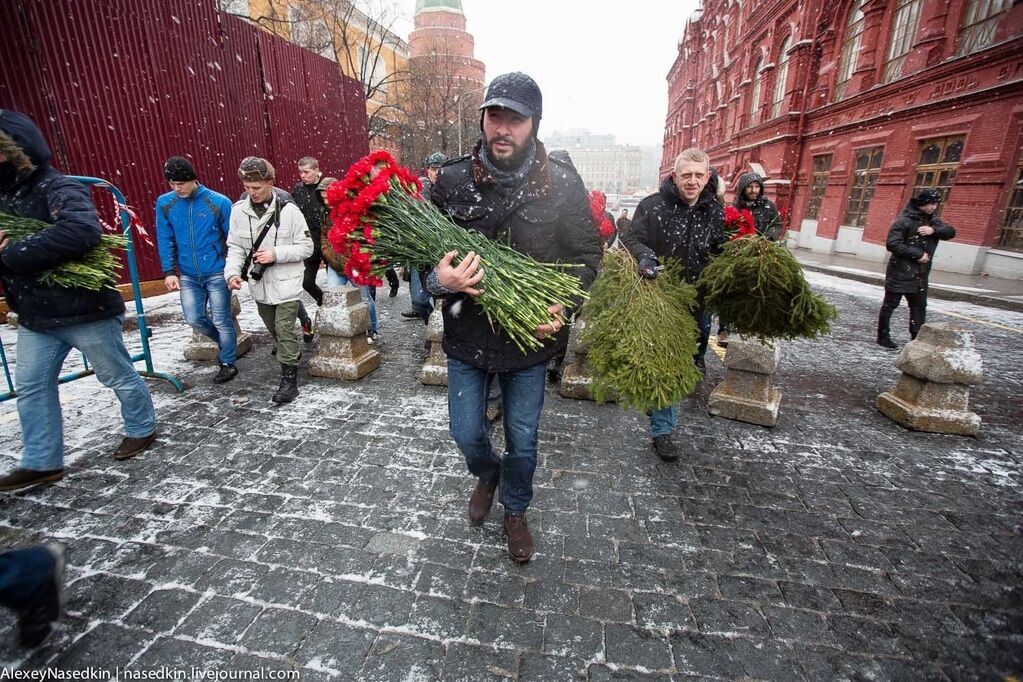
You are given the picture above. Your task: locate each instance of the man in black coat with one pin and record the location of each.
(683, 221)
(749, 194)
(307, 198)
(912, 240)
(53, 320)
(508, 189)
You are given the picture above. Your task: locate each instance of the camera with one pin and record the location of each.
(257, 271)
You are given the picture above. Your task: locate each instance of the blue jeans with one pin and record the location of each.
(523, 393)
(196, 292)
(22, 573)
(422, 302)
(336, 280)
(665, 420)
(40, 356)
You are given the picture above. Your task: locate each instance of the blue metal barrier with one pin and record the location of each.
(140, 313)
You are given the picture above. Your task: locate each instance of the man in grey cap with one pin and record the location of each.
(510, 190)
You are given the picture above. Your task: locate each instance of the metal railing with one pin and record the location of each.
(140, 313)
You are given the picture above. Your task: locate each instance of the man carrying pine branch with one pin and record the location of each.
(53, 320)
(684, 221)
(508, 189)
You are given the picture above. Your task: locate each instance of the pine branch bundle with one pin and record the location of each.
(757, 288)
(641, 334)
(96, 270)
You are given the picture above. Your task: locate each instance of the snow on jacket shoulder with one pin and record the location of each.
(47, 195)
(289, 238)
(664, 226)
(192, 233)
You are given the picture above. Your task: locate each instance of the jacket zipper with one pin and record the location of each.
(191, 238)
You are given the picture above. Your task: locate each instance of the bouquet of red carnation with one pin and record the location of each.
(379, 218)
(598, 207)
(738, 223)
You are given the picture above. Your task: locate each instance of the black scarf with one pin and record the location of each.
(509, 181)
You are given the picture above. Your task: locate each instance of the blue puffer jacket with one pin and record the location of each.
(192, 233)
(45, 194)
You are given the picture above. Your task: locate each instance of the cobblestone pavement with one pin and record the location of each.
(329, 536)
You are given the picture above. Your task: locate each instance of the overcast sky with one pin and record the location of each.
(600, 66)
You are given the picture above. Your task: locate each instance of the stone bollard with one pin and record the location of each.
(746, 393)
(201, 347)
(933, 393)
(577, 375)
(435, 369)
(344, 351)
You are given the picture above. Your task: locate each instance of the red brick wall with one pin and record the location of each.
(938, 94)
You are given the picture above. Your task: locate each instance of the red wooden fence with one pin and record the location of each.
(117, 86)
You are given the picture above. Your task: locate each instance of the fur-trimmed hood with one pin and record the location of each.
(22, 143)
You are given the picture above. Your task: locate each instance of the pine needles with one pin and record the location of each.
(641, 334)
(757, 288)
(96, 270)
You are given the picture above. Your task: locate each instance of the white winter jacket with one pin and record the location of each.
(291, 244)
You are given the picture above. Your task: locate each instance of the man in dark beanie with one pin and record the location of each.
(192, 222)
(912, 240)
(510, 190)
(53, 320)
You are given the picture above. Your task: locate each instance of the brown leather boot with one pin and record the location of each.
(520, 540)
(481, 501)
(130, 447)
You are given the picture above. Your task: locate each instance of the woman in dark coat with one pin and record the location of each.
(912, 241)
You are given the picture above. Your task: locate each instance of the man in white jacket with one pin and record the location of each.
(274, 269)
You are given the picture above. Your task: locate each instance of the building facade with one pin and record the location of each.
(603, 164)
(848, 107)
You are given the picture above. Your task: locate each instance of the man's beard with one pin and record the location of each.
(511, 162)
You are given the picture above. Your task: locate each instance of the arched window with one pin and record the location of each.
(781, 75)
(904, 25)
(850, 47)
(754, 106)
(979, 22)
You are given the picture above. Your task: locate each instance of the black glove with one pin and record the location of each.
(648, 268)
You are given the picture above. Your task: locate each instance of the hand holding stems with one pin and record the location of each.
(462, 277)
(542, 331)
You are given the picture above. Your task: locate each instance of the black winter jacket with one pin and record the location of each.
(905, 274)
(307, 198)
(548, 219)
(766, 217)
(665, 226)
(47, 195)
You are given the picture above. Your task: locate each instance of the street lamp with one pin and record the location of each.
(458, 100)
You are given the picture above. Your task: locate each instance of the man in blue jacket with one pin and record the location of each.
(191, 230)
(53, 320)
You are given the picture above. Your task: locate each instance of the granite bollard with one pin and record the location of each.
(933, 393)
(746, 394)
(202, 347)
(435, 369)
(344, 351)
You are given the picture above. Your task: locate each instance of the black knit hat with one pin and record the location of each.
(927, 196)
(178, 169)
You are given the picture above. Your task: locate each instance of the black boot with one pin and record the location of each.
(884, 335)
(288, 390)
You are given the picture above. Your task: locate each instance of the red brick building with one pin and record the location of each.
(440, 34)
(849, 106)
